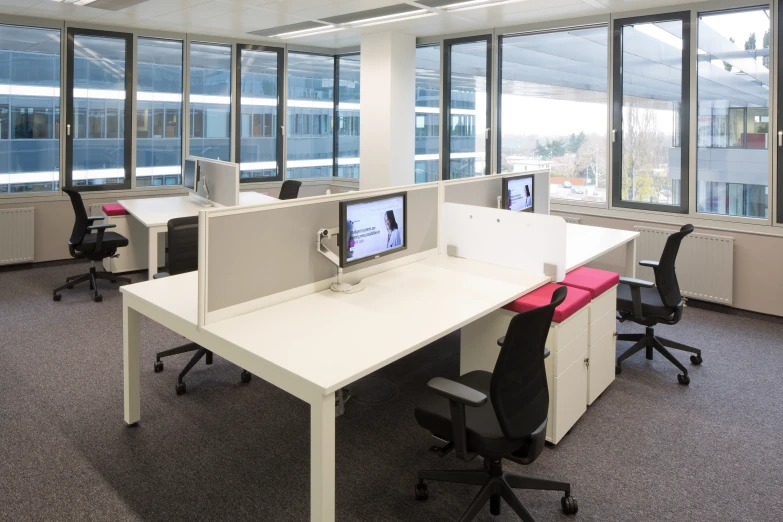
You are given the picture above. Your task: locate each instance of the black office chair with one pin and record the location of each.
(183, 257)
(649, 303)
(290, 189)
(505, 418)
(91, 242)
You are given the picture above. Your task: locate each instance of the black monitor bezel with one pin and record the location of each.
(196, 174)
(344, 263)
(532, 189)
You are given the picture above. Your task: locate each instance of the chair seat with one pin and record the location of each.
(111, 241)
(592, 280)
(651, 302)
(574, 301)
(484, 435)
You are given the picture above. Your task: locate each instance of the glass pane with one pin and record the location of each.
(29, 109)
(258, 121)
(427, 113)
(99, 92)
(159, 113)
(734, 110)
(210, 101)
(348, 117)
(652, 96)
(468, 110)
(553, 109)
(310, 113)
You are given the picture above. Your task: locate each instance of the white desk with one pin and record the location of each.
(155, 213)
(398, 312)
(585, 243)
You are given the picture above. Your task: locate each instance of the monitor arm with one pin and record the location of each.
(339, 285)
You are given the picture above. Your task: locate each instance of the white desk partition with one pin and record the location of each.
(483, 191)
(254, 257)
(222, 179)
(514, 239)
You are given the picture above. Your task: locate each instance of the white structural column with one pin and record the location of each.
(388, 83)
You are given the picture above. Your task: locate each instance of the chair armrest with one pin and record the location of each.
(457, 392)
(636, 283)
(648, 263)
(101, 229)
(636, 294)
(547, 353)
(160, 275)
(458, 395)
(93, 219)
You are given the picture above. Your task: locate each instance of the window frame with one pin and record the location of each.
(336, 115)
(130, 95)
(616, 142)
(445, 122)
(282, 85)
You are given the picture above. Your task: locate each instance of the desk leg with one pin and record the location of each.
(152, 252)
(630, 258)
(322, 471)
(130, 342)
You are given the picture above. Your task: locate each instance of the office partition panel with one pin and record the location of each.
(259, 133)
(467, 113)
(651, 112)
(98, 109)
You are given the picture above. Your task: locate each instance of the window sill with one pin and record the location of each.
(42, 197)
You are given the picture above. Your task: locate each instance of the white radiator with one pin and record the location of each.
(705, 263)
(17, 236)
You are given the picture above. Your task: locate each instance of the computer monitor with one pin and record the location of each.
(190, 174)
(518, 193)
(372, 227)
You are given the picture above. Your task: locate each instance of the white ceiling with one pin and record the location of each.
(235, 18)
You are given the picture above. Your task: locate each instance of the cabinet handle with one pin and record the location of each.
(587, 362)
(780, 138)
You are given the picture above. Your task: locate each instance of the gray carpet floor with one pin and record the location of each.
(648, 449)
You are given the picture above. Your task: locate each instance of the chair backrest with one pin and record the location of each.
(290, 189)
(81, 223)
(665, 275)
(183, 245)
(518, 388)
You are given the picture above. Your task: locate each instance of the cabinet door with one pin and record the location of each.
(570, 398)
(600, 372)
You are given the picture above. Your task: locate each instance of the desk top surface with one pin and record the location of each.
(332, 339)
(585, 243)
(158, 211)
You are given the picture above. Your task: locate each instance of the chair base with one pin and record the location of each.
(180, 388)
(496, 485)
(650, 342)
(92, 276)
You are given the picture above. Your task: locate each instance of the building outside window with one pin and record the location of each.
(210, 101)
(349, 72)
(427, 114)
(29, 109)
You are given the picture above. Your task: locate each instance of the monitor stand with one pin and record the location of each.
(344, 288)
(338, 286)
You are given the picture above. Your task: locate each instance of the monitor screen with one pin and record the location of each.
(372, 227)
(189, 178)
(518, 193)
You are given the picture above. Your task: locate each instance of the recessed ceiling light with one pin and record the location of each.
(463, 5)
(390, 18)
(308, 32)
(75, 2)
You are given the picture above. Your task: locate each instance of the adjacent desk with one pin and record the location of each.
(398, 312)
(155, 213)
(585, 244)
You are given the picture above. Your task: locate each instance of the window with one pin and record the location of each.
(651, 112)
(99, 96)
(210, 101)
(466, 123)
(29, 109)
(552, 110)
(260, 146)
(347, 135)
(732, 169)
(427, 113)
(158, 112)
(310, 115)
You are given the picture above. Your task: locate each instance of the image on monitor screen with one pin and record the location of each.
(518, 193)
(189, 178)
(372, 227)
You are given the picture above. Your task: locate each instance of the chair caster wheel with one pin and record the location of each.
(158, 366)
(570, 507)
(57, 297)
(181, 388)
(696, 360)
(98, 298)
(245, 376)
(683, 379)
(618, 370)
(421, 492)
(494, 505)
